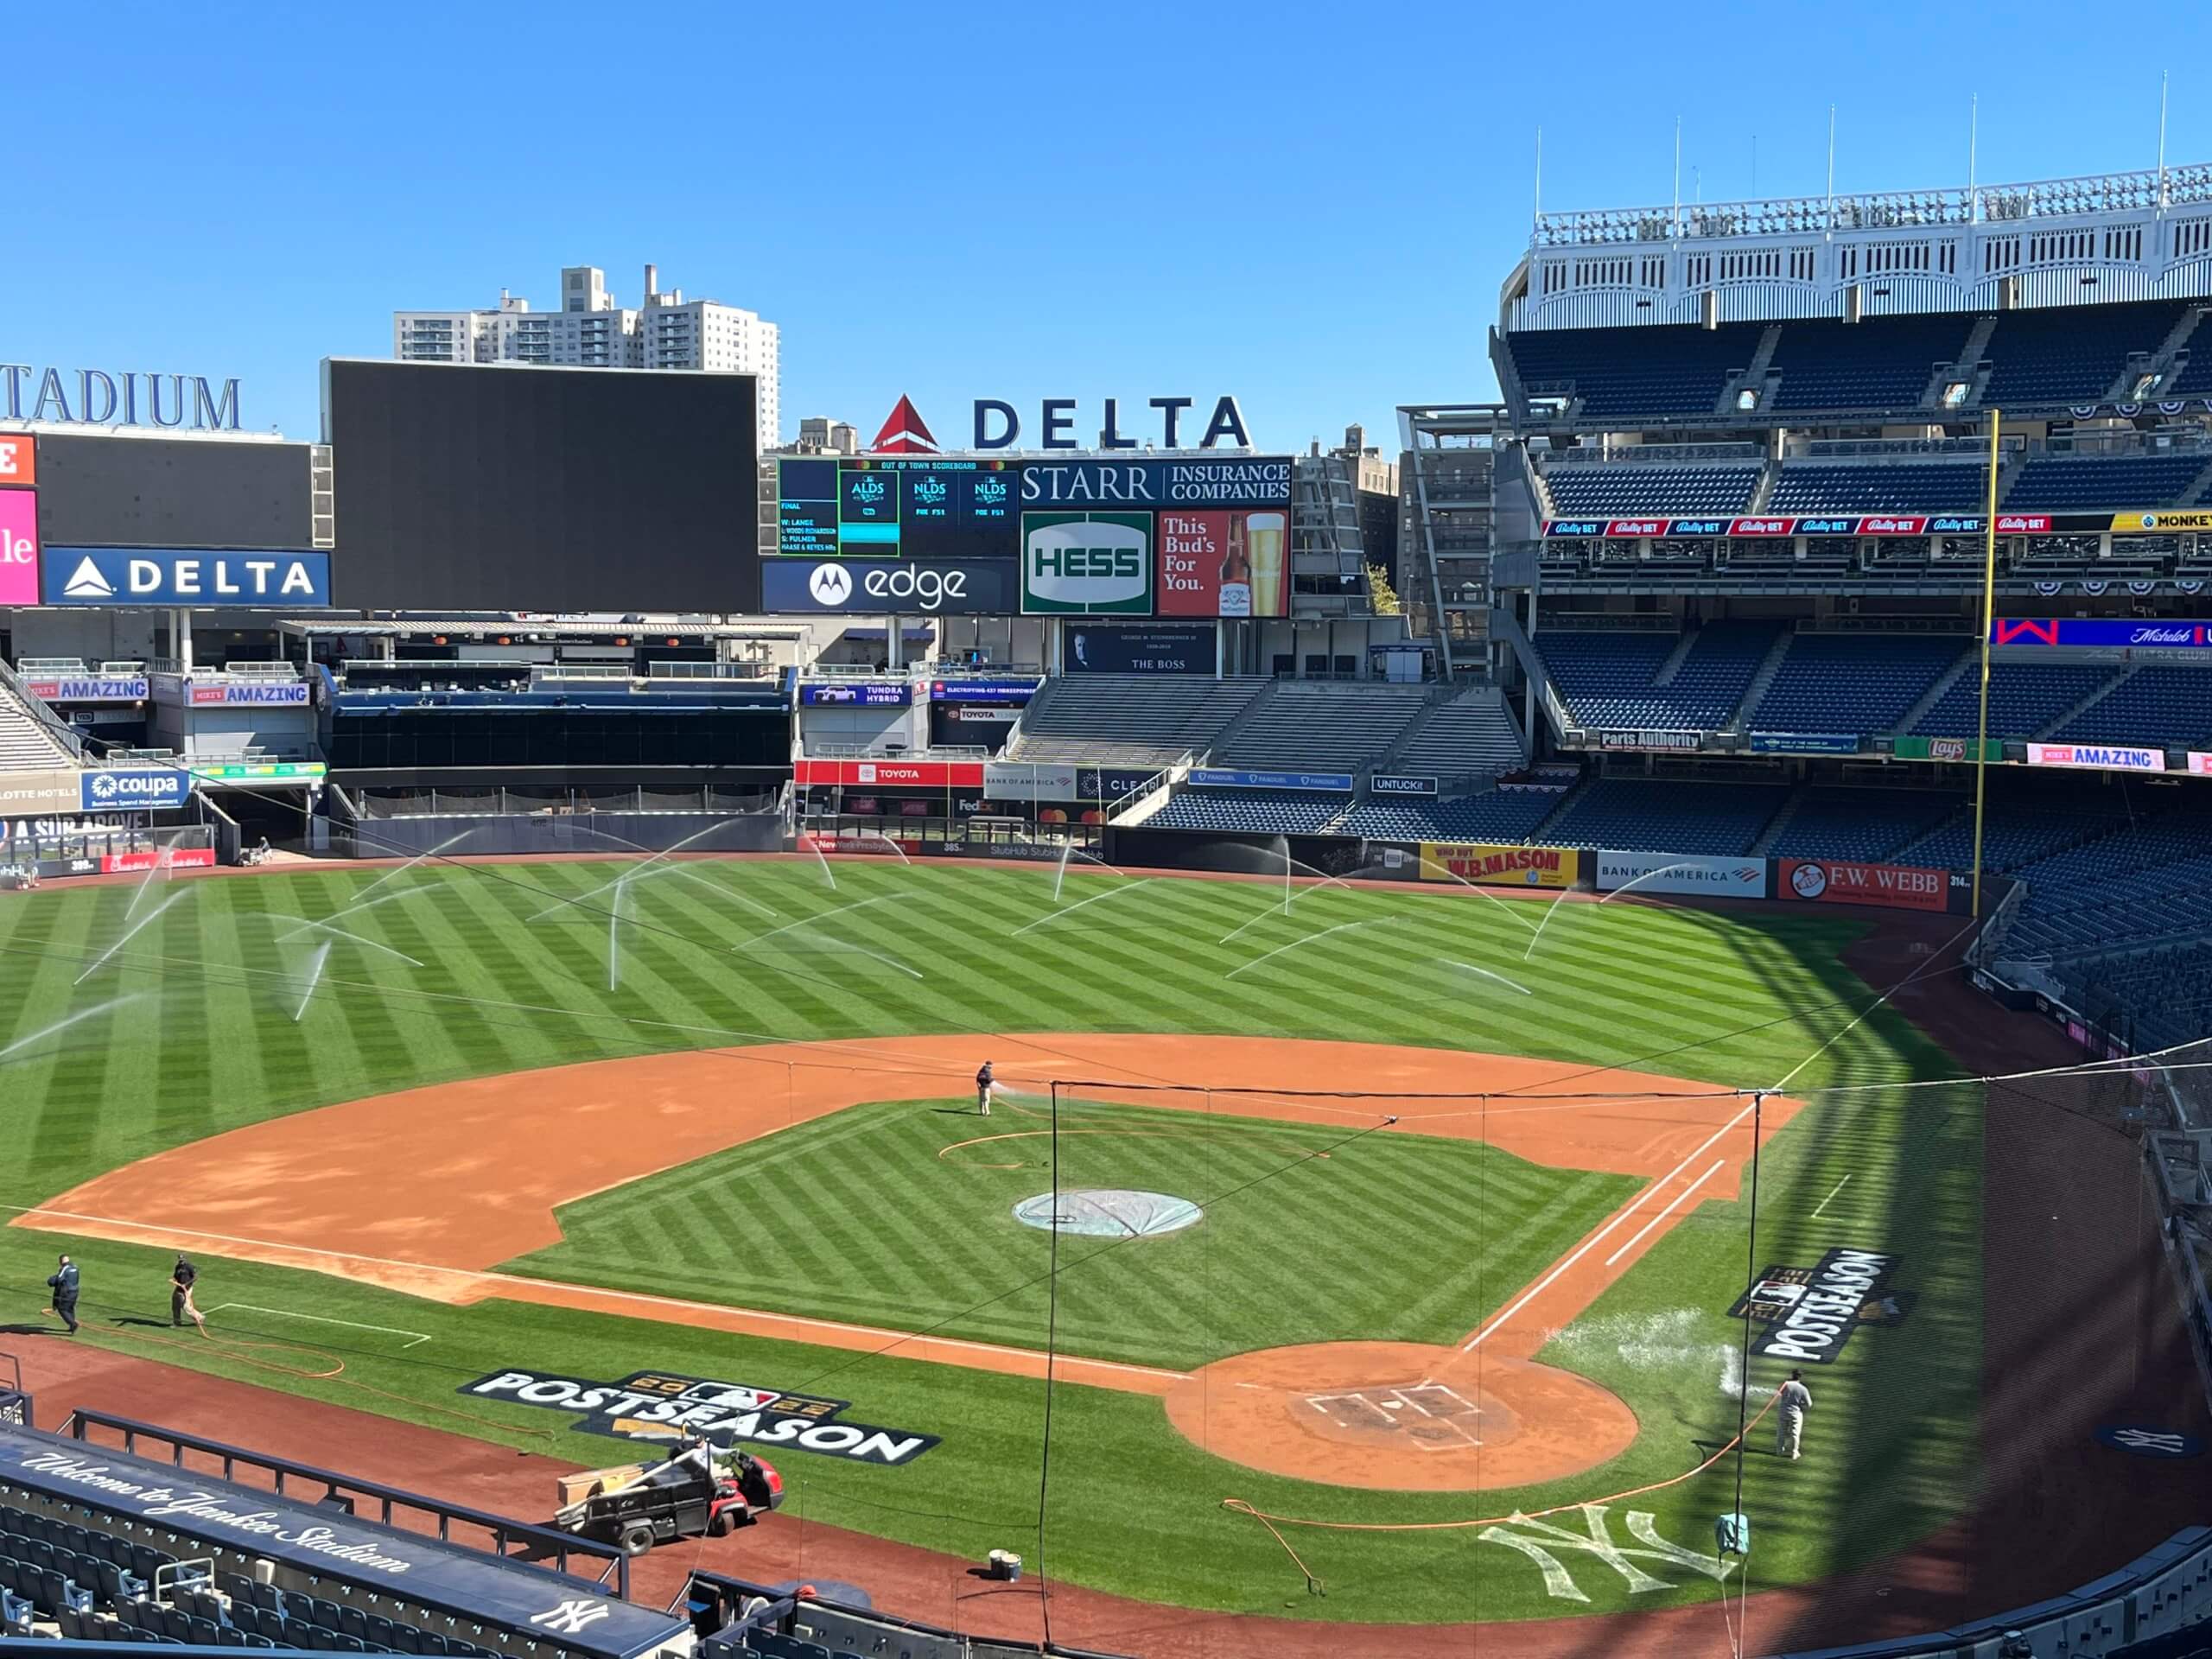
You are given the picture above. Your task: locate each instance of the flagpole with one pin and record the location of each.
(1988, 610)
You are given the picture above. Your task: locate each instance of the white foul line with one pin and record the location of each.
(1832, 1191)
(1672, 1205)
(1598, 1237)
(419, 1337)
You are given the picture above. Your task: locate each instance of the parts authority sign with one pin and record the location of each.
(662, 1406)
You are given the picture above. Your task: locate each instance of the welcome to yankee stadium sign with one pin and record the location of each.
(665, 1406)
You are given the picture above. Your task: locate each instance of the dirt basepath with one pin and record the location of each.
(427, 1191)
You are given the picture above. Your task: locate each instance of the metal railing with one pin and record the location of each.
(535, 1542)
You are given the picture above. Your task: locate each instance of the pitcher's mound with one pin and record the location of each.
(1401, 1416)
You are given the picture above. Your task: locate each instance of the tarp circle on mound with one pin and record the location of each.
(1107, 1212)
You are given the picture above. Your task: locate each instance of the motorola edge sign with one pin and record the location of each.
(882, 587)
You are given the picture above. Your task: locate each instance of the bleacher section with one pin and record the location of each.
(1884, 364)
(2024, 698)
(1618, 492)
(1325, 727)
(1860, 823)
(2157, 705)
(2149, 880)
(2068, 483)
(2016, 833)
(1853, 682)
(1091, 717)
(1916, 486)
(1246, 812)
(1661, 816)
(1626, 373)
(1501, 814)
(25, 743)
(1606, 678)
(1471, 735)
(2070, 354)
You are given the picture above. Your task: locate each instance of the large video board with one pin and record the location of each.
(1201, 536)
(481, 488)
(895, 507)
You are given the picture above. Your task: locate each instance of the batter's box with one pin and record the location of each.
(1433, 1416)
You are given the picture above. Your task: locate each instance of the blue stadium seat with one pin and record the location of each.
(2153, 706)
(1891, 487)
(2070, 354)
(1249, 811)
(2024, 698)
(1665, 815)
(1862, 682)
(1883, 363)
(1607, 679)
(1664, 370)
(1587, 490)
(2065, 484)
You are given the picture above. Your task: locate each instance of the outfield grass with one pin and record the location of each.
(1307, 1236)
(208, 1041)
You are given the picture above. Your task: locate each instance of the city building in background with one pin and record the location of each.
(820, 435)
(591, 329)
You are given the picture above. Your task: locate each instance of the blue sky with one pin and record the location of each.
(1309, 207)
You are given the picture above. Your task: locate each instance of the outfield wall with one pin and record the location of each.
(503, 835)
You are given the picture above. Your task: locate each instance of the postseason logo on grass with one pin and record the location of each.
(1810, 1313)
(664, 1405)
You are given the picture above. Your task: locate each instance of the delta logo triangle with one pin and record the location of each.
(86, 582)
(905, 433)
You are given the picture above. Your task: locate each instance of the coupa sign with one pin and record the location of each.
(1086, 564)
(664, 1406)
(123, 398)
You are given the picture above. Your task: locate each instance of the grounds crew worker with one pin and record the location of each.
(986, 1086)
(1791, 1404)
(64, 1284)
(183, 1277)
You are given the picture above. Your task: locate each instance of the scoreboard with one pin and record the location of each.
(894, 507)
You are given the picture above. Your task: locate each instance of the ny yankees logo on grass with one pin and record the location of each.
(1542, 1542)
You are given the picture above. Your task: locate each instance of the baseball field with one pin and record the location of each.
(1403, 1232)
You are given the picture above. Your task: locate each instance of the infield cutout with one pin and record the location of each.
(1107, 1212)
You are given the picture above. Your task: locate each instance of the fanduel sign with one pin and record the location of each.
(120, 397)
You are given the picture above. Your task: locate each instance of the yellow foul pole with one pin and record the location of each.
(1988, 611)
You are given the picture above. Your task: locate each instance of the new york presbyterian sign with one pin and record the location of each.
(31, 391)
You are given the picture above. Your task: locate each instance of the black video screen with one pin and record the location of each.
(96, 491)
(543, 489)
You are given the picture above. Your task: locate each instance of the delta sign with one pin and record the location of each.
(998, 426)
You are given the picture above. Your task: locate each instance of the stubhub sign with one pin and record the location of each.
(139, 790)
(187, 576)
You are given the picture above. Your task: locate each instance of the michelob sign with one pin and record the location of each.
(1086, 564)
